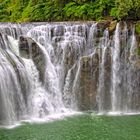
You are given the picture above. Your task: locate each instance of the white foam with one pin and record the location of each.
(49, 118)
(117, 113)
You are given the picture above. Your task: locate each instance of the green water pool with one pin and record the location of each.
(81, 127)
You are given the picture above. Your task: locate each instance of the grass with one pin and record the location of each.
(83, 127)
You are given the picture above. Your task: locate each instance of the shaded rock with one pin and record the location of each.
(105, 94)
(102, 25)
(88, 82)
(58, 30)
(135, 61)
(30, 49)
(112, 27)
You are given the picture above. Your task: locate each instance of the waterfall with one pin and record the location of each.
(103, 46)
(11, 96)
(116, 81)
(59, 68)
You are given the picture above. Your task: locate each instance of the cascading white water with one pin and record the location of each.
(115, 71)
(69, 96)
(103, 46)
(70, 46)
(86, 68)
(92, 38)
(52, 83)
(40, 103)
(132, 76)
(11, 96)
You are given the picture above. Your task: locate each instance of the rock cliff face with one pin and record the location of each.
(69, 66)
(88, 82)
(29, 49)
(99, 64)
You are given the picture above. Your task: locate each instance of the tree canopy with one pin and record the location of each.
(63, 10)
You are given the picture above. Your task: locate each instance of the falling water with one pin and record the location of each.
(115, 71)
(71, 67)
(12, 102)
(103, 46)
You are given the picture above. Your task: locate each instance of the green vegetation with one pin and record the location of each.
(137, 28)
(63, 10)
(137, 51)
(84, 127)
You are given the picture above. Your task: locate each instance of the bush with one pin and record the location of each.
(59, 10)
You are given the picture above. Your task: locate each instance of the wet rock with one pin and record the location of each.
(58, 30)
(88, 82)
(134, 88)
(103, 24)
(135, 61)
(112, 27)
(29, 49)
(107, 79)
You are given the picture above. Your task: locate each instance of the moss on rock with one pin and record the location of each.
(137, 28)
(112, 26)
(137, 51)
